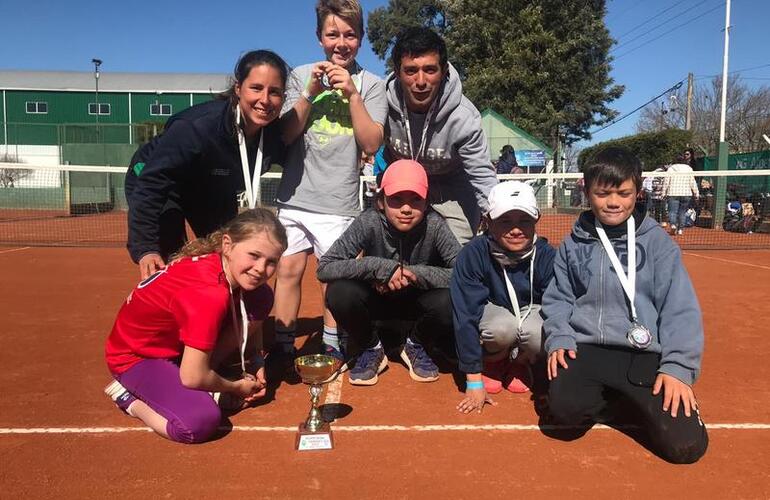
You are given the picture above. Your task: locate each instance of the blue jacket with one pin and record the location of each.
(194, 165)
(585, 303)
(477, 279)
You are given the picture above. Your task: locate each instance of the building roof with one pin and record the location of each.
(77, 81)
(521, 132)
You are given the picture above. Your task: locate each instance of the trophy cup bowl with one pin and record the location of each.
(315, 370)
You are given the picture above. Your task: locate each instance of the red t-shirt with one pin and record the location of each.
(185, 304)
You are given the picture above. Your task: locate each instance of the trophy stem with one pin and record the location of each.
(314, 422)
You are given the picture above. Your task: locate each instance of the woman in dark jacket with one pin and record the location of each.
(204, 158)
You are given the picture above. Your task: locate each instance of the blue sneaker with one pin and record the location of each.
(369, 365)
(421, 367)
(120, 396)
(336, 354)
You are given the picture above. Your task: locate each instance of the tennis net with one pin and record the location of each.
(68, 205)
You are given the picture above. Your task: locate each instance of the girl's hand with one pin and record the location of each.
(675, 392)
(247, 388)
(475, 399)
(259, 378)
(401, 279)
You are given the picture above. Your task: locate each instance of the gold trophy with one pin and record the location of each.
(315, 370)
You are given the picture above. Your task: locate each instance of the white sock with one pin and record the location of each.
(335, 337)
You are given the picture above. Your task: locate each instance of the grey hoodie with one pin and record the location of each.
(585, 303)
(371, 250)
(456, 156)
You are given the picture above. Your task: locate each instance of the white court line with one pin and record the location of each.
(358, 428)
(726, 260)
(15, 250)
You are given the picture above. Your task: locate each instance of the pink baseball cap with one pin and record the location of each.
(405, 175)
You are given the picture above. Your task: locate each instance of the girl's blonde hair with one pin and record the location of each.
(243, 226)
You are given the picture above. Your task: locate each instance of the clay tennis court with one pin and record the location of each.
(60, 437)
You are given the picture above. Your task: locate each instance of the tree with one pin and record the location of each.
(747, 115)
(10, 176)
(542, 63)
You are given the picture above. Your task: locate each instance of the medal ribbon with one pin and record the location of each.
(241, 334)
(512, 293)
(627, 282)
(423, 142)
(252, 184)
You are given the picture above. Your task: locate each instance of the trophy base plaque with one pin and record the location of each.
(318, 440)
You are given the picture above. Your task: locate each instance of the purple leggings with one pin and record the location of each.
(193, 415)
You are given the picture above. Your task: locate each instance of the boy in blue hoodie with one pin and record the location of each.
(496, 289)
(624, 323)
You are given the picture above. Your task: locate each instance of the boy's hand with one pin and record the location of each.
(314, 86)
(475, 399)
(556, 358)
(401, 279)
(340, 79)
(674, 392)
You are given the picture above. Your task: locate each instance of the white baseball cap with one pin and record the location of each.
(512, 195)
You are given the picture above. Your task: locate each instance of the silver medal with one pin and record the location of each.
(639, 336)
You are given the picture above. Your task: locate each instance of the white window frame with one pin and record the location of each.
(160, 109)
(109, 108)
(37, 107)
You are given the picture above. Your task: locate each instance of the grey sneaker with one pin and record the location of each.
(421, 367)
(368, 366)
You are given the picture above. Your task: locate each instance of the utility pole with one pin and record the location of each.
(721, 193)
(688, 116)
(97, 63)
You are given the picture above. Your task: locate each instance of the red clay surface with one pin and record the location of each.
(58, 306)
(55, 228)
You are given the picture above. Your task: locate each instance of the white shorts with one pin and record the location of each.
(311, 230)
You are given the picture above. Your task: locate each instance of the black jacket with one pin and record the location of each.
(194, 166)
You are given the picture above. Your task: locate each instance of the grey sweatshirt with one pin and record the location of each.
(456, 154)
(371, 250)
(585, 302)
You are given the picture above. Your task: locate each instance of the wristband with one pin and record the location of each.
(307, 96)
(475, 384)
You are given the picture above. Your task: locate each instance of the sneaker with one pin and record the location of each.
(672, 228)
(492, 375)
(421, 367)
(370, 363)
(517, 378)
(120, 396)
(336, 354)
(679, 232)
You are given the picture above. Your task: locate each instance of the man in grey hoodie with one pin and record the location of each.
(432, 122)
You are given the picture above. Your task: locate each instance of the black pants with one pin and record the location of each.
(578, 394)
(356, 305)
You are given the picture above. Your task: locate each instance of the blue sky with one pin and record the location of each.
(194, 36)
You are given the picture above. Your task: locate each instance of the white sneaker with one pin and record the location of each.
(679, 232)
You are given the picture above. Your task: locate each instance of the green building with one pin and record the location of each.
(500, 131)
(62, 109)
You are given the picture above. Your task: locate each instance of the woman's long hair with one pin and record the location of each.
(243, 226)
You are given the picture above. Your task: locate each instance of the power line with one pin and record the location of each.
(648, 20)
(674, 17)
(676, 86)
(669, 31)
(742, 70)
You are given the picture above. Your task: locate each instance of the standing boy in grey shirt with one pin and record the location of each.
(334, 110)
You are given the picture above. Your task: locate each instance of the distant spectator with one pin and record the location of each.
(679, 190)
(507, 161)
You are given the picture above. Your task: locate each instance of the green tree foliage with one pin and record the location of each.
(540, 63)
(653, 148)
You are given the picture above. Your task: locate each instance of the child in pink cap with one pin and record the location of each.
(394, 262)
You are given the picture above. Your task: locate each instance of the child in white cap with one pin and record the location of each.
(496, 290)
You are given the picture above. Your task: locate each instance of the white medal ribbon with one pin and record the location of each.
(251, 184)
(628, 282)
(512, 293)
(242, 333)
(428, 117)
